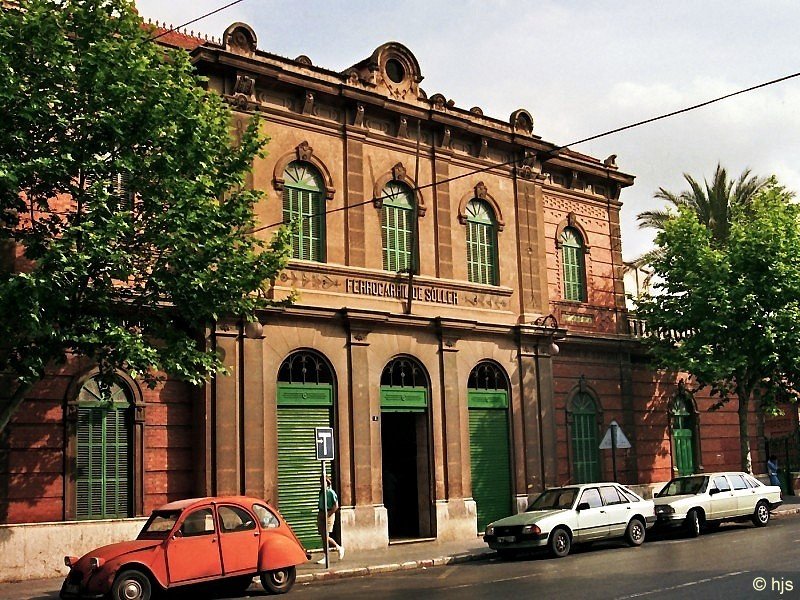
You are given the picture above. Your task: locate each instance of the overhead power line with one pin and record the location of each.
(200, 18)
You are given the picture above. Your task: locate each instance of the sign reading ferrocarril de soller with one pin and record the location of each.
(382, 289)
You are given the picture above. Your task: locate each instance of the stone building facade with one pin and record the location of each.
(459, 319)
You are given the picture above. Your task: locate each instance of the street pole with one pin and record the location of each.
(614, 449)
(325, 512)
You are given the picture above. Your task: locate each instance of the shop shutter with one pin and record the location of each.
(298, 470)
(491, 469)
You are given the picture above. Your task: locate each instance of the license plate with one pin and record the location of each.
(507, 539)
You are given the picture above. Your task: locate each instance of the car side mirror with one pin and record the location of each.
(713, 491)
(584, 506)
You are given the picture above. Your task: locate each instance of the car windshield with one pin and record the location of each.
(159, 525)
(681, 486)
(554, 499)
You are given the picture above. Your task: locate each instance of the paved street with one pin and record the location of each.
(719, 565)
(725, 564)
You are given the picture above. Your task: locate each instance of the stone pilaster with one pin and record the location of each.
(254, 456)
(227, 474)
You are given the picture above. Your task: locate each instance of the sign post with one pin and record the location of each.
(324, 446)
(613, 439)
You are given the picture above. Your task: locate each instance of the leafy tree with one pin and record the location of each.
(123, 190)
(729, 313)
(711, 203)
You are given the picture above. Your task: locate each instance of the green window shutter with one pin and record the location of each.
(103, 462)
(481, 243)
(572, 262)
(303, 205)
(490, 463)
(585, 445)
(397, 234)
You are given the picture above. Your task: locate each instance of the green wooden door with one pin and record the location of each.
(585, 445)
(683, 438)
(301, 408)
(489, 455)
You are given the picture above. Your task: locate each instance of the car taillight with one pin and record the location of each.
(70, 560)
(96, 563)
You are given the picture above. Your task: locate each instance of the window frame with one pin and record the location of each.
(391, 205)
(573, 259)
(293, 207)
(481, 243)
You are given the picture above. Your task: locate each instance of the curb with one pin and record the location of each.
(307, 578)
(785, 513)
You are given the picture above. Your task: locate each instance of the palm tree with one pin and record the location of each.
(711, 203)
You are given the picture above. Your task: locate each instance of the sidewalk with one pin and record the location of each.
(397, 557)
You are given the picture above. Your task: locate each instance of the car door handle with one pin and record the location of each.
(255, 534)
(214, 540)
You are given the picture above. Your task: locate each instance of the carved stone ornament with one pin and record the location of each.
(240, 38)
(438, 101)
(476, 110)
(528, 166)
(358, 120)
(402, 129)
(522, 121)
(480, 190)
(304, 151)
(446, 138)
(611, 161)
(572, 220)
(484, 151)
(308, 105)
(245, 85)
(352, 77)
(303, 60)
(399, 172)
(449, 342)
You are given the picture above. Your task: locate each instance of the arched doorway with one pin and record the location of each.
(487, 399)
(684, 426)
(305, 401)
(406, 449)
(582, 420)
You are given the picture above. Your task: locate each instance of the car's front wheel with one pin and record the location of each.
(131, 585)
(693, 523)
(279, 581)
(761, 515)
(635, 532)
(559, 542)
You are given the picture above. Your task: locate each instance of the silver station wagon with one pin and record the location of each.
(697, 502)
(561, 517)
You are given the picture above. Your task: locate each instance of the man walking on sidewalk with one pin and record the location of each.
(327, 519)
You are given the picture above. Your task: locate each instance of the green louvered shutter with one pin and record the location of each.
(397, 216)
(490, 455)
(303, 205)
(102, 471)
(481, 243)
(301, 408)
(585, 445)
(573, 272)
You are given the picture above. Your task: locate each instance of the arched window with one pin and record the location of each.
(398, 212)
(404, 372)
(303, 205)
(103, 456)
(487, 376)
(305, 368)
(481, 243)
(582, 419)
(573, 266)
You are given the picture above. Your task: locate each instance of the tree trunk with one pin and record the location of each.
(12, 404)
(744, 430)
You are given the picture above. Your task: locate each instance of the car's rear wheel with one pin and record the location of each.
(559, 542)
(693, 523)
(279, 581)
(761, 515)
(635, 532)
(131, 585)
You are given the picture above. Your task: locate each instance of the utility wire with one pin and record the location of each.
(200, 18)
(554, 152)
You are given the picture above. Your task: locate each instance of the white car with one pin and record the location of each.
(560, 517)
(698, 502)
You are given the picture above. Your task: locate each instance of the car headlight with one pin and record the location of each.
(95, 563)
(490, 530)
(534, 529)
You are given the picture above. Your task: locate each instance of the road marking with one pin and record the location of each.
(446, 573)
(683, 585)
(493, 581)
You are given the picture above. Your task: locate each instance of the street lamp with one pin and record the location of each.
(549, 322)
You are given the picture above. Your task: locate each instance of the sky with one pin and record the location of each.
(580, 67)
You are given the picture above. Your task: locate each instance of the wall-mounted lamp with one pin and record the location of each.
(551, 323)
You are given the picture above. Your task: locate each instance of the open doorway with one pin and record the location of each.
(405, 452)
